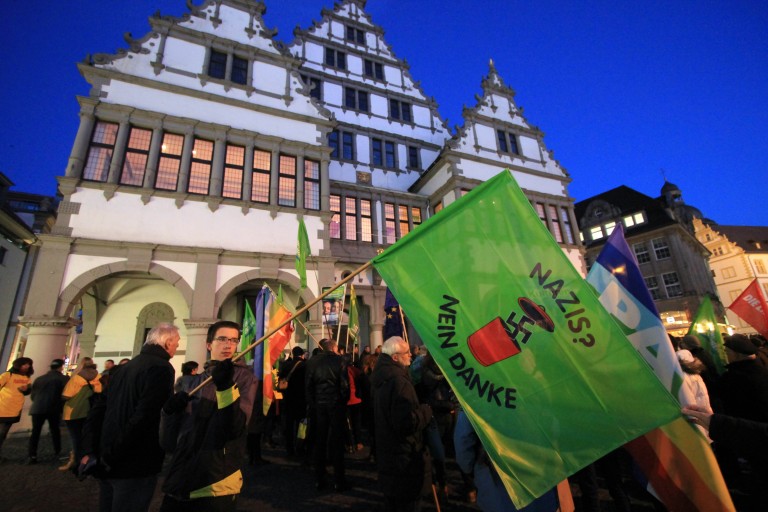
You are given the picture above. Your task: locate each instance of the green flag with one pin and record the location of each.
(704, 327)
(302, 250)
(546, 376)
(249, 332)
(353, 326)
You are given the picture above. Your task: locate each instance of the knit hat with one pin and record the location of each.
(684, 356)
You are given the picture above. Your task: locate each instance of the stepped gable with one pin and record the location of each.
(174, 57)
(496, 108)
(352, 13)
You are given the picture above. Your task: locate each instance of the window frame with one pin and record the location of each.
(259, 174)
(311, 182)
(169, 157)
(335, 59)
(355, 99)
(135, 152)
(231, 166)
(507, 142)
(287, 181)
(373, 70)
(661, 252)
(104, 151)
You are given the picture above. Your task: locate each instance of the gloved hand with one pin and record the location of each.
(223, 374)
(177, 403)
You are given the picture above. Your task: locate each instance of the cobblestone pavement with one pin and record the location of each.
(282, 485)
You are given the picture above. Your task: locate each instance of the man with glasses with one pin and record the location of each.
(403, 464)
(209, 434)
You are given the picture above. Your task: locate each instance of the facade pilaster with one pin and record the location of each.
(197, 330)
(217, 172)
(82, 140)
(43, 297)
(118, 155)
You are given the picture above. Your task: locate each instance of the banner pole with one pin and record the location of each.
(303, 309)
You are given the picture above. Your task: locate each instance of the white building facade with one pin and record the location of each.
(202, 145)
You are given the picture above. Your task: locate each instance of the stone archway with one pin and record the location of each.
(150, 316)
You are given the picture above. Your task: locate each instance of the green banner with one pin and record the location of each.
(537, 363)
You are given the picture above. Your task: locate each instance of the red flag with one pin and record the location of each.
(751, 307)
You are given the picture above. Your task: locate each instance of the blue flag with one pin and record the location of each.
(393, 319)
(258, 352)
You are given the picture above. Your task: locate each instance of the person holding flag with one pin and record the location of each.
(208, 437)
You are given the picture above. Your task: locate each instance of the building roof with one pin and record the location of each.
(749, 238)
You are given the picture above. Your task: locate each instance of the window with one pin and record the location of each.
(641, 253)
(729, 272)
(390, 234)
(344, 149)
(262, 176)
(652, 283)
(356, 99)
(718, 251)
(438, 206)
(661, 248)
(672, 284)
(400, 110)
(555, 220)
(350, 219)
(234, 170)
(366, 222)
(413, 158)
(507, 142)
(200, 170)
(541, 213)
(311, 185)
(335, 59)
(314, 86)
(170, 162)
(136, 155)
(403, 218)
(566, 219)
(335, 226)
(217, 67)
(634, 219)
(608, 227)
(759, 267)
(596, 232)
(286, 185)
(100, 151)
(355, 35)
(373, 69)
(383, 153)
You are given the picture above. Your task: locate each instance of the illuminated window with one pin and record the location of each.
(403, 218)
(661, 248)
(390, 232)
(286, 185)
(200, 169)
(415, 215)
(170, 162)
(234, 170)
(438, 206)
(366, 221)
(566, 219)
(262, 176)
(672, 284)
(555, 220)
(136, 155)
(335, 226)
(596, 232)
(641, 253)
(311, 185)
(100, 151)
(609, 227)
(541, 211)
(350, 219)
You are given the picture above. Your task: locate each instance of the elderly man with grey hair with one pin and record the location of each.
(403, 464)
(123, 429)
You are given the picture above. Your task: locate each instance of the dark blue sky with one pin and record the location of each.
(621, 89)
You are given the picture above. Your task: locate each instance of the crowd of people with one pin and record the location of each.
(124, 421)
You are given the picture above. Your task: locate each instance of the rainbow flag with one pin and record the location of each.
(273, 347)
(675, 458)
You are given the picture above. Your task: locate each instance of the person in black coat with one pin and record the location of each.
(403, 465)
(327, 392)
(294, 397)
(122, 429)
(47, 405)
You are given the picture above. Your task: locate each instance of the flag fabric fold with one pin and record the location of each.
(249, 332)
(302, 251)
(537, 363)
(393, 317)
(273, 347)
(676, 458)
(353, 324)
(704, 327)
(752, 308)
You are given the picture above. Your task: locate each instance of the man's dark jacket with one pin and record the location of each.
(46, 393)
(745, 390)
(400, 422)
(326, 382)
(129, 433)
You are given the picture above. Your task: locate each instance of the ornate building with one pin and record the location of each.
(203, 143)
(659, 230)
(739, 256)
